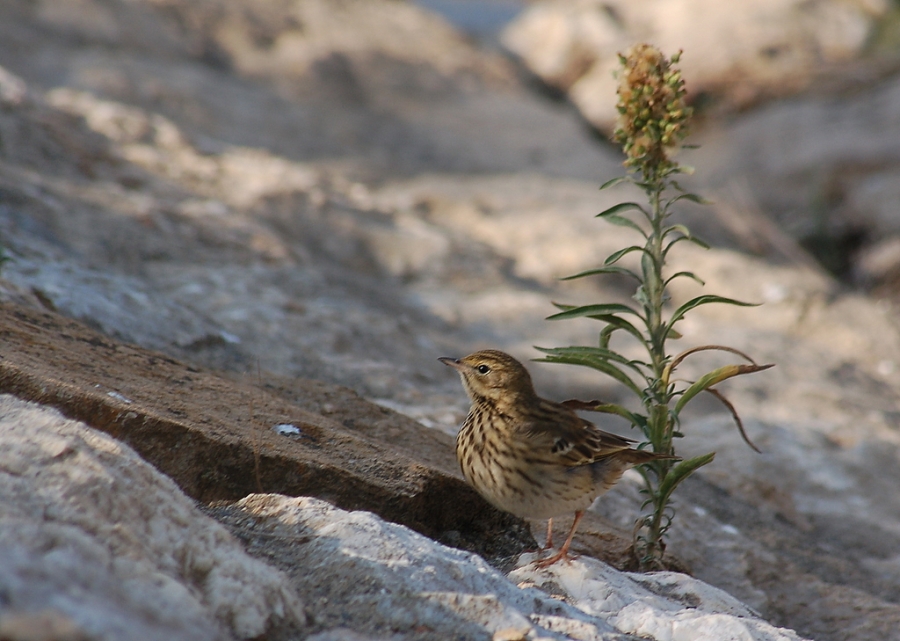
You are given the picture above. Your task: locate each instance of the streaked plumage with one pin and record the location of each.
(529, 456)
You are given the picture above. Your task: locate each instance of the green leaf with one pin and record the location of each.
(618, 180)
(690, 275)
(706, 299)
(605, 334)
(592, 311)
(614, 323)
(618, 209)
(713, 378)
(679, 229)
(584, 351)
(608, 408)
(694, 198)
(615, 256)
(678, 473)
(599, 364)
(692, 239)
(611, 269)
(621, 221)
(685, 235)
(612, 408)
(687, 170)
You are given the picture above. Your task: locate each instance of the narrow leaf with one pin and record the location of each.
(605, 408)
(706, 348)
(734, 415)
(599, 364)
(712, 378)
(705, 299)
(611, 269)
(615, 256)
(677, 229)
(690, 275)
(591, 352)
(687, 170)
(621, 221)
(679, 472)
(605, 367)
(621, 207)
(618, 180)
(576, 404)
(694, 198)
(616, 322)
(685, 234)
(693, 239)
(592, 311)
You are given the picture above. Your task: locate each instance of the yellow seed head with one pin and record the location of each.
(652, 114)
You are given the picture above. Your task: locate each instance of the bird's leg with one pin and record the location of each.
(549, 544)
(564, 550)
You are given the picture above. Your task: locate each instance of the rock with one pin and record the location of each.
(172, 415)
(879, 265)
(659, 605)
(374, 84)
(816, 165)
(116, 550)
(107, 547)
(414, 586)
(45, 625)
(774, 48)
(179, 182)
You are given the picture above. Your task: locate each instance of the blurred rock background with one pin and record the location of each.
(343, 191)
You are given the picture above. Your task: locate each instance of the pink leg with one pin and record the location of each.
(549, 544)
(564, 550)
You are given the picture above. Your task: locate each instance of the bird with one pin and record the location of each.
(529, 456)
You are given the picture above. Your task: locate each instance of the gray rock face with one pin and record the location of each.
(91, 531)
(247, 187)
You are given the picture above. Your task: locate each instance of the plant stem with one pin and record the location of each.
(657, 401)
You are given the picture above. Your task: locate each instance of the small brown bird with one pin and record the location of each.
(529, 456)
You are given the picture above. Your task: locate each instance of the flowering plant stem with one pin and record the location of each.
(653, 118)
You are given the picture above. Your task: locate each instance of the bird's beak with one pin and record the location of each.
(452, 362)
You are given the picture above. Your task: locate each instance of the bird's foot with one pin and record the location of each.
(562, 555)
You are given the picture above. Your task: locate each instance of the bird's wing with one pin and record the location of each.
(562, 437)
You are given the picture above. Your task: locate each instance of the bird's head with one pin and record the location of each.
(492, 375)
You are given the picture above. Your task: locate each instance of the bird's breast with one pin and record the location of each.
(504, 469)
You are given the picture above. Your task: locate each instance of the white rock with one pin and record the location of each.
(87, 528)
(403, 577)
(665, 606)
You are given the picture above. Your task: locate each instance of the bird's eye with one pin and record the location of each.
(483, 369)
